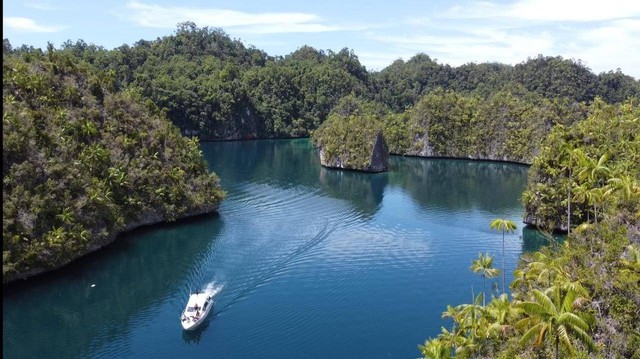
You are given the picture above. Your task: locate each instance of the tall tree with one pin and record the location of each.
(575, 157)
(503, 225)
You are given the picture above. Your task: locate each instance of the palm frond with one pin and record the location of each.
(584, 337)
(572, 320)
(531, 333)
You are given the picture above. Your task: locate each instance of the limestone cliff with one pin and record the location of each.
(374, 157)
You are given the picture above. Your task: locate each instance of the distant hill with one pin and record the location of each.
(216, 88)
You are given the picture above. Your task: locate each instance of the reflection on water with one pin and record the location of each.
(194, 336)
(459, 183)
(363, 190)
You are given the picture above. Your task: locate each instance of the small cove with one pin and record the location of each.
(311, 262)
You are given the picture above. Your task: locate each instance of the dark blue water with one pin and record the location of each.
(310, 263)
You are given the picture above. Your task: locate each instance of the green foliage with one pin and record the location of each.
(596, 159)
(348, 137)
(81, 163)
(582, 298)
(214, 87)
(508, 125)
(402, 84)
(554, 77)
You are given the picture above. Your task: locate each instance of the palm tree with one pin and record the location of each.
(484, 266)
(575, 157)
(435, 349)
(583, 195)
(501, 314)
(598, 195)
(625, 184)
(554, 317)
(508, 226)
(451, 339)
(472, 327)
(545, 268)
(592, 170)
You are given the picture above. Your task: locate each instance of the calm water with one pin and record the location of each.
(311, 263)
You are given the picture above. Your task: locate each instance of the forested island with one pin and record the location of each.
(97, 141)
(83, 163)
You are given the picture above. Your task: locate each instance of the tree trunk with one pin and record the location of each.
(484, 291)
(504, 288)
(569, 209)
(557, 346)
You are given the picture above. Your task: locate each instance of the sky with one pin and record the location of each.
(603, 35)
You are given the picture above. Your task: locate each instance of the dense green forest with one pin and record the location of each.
(508, 125)
(82, 163)
(215, 87)
(579, 298)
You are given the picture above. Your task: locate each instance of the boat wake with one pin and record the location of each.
(212, 289)
(271, 270)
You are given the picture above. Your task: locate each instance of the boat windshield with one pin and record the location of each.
(191, 309)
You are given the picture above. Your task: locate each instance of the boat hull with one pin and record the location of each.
(191, 323)
(188, 318)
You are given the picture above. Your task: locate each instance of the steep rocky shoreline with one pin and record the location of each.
(148, 219)
(378, 158)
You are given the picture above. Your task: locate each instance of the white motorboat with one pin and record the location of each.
(198, 307)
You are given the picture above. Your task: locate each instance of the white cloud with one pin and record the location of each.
(574, 10)
(604, 35)
(377, 60)
(23, 24)
(617, 42)
(149, 15)
(549, 10)
(476, 45)
(40, 6)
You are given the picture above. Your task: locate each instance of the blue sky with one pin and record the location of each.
(604, 35)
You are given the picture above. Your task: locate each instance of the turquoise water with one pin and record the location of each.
(310, 263)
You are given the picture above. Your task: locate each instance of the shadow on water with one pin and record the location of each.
(533, 239)
(283, 163)
(492, 186)
(100, 295)
(194, 336)
(364, 191)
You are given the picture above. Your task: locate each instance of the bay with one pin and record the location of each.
(309, 262)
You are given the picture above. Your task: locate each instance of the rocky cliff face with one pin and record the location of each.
(244, 124)
(491, 150)
(146, 219)
(379, 155)
(377, 158)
